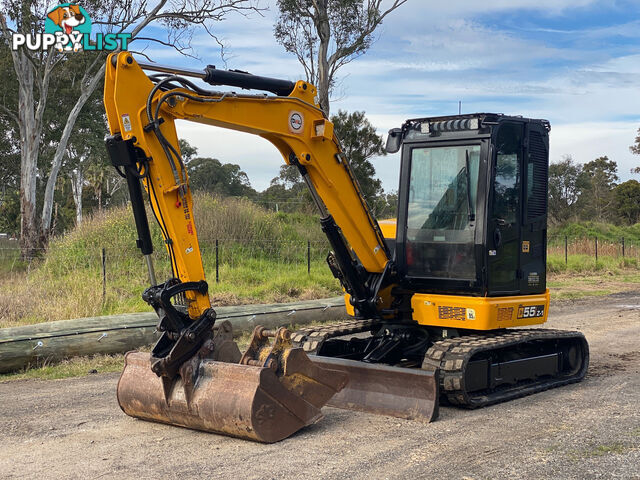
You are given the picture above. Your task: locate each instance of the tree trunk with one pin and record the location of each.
(30, 239)
(99, 192)
(324, 35)
(36, 72)
(77, 184)
(45, 342)
(56, 164)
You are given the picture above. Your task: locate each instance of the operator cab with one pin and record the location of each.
(472, 204)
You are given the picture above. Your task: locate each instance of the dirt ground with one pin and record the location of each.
(74, 428)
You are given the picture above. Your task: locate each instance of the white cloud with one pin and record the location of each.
(423, 11)
(255, 155)
(628, 64)
(428, 56)
(590, 140)
(630, 30)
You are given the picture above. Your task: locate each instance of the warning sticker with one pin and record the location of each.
(126, 122)
(296, 122)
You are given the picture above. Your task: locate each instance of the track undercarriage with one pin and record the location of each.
(475, 368)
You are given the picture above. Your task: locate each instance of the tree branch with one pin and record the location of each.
(6, 32)
(177, 48)
(10, 114)
(366, 31)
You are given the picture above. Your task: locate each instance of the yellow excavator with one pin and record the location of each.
(434, 293)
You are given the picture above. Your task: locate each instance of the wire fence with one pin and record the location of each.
(592, 247)
(225, 260)
(115, 270)
(238, 252)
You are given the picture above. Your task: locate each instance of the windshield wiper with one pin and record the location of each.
(472, 215)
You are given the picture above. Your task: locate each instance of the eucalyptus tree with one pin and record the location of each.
(35, 72)
(325, 35)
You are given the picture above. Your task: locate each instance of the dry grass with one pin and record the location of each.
(587, 247)
(74, 367)
(262, 258)
(572, 286)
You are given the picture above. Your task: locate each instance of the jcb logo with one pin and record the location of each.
(530, 311)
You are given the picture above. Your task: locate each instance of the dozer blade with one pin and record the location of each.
(381, 389)
(247, 400)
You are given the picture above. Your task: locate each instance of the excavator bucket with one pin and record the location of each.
(272, 392)
(381, 389)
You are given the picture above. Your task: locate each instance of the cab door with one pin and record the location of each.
(504, 213)
(533, 255)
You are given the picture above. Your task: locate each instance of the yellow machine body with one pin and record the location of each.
(479, 313)
(388, 227)
(313, 143)
(467, 312)
(476, 313)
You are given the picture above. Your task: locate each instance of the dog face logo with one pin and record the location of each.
(70, 21)
(67, 18)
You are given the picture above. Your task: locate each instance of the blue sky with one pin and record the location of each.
(575, 63)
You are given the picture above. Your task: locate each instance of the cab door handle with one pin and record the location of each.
(497, 237)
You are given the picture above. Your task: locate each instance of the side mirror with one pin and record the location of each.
(394, 140)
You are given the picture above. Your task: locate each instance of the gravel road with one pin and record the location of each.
(74, 428)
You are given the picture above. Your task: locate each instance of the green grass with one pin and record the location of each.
(600, 450)
(582, 278)
(74, 367)
(560, 295)
(262, 258)
(586, 264)
(605, 232)
(10, 257)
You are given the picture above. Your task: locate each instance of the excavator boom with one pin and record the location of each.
(195, 375)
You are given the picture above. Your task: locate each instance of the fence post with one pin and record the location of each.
(596, 250)
(309, 257)
(104, 276)
(622, 247)
(566, 250)
(217, 271)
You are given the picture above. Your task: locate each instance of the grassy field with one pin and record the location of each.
(611, 277)
(262, 258)
(72, 367)
(605, 232)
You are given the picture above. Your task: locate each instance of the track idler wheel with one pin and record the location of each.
(267, 394)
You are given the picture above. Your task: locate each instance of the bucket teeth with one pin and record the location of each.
(276, 392)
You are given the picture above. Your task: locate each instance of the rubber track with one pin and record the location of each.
(312, 338)
(451, 356)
